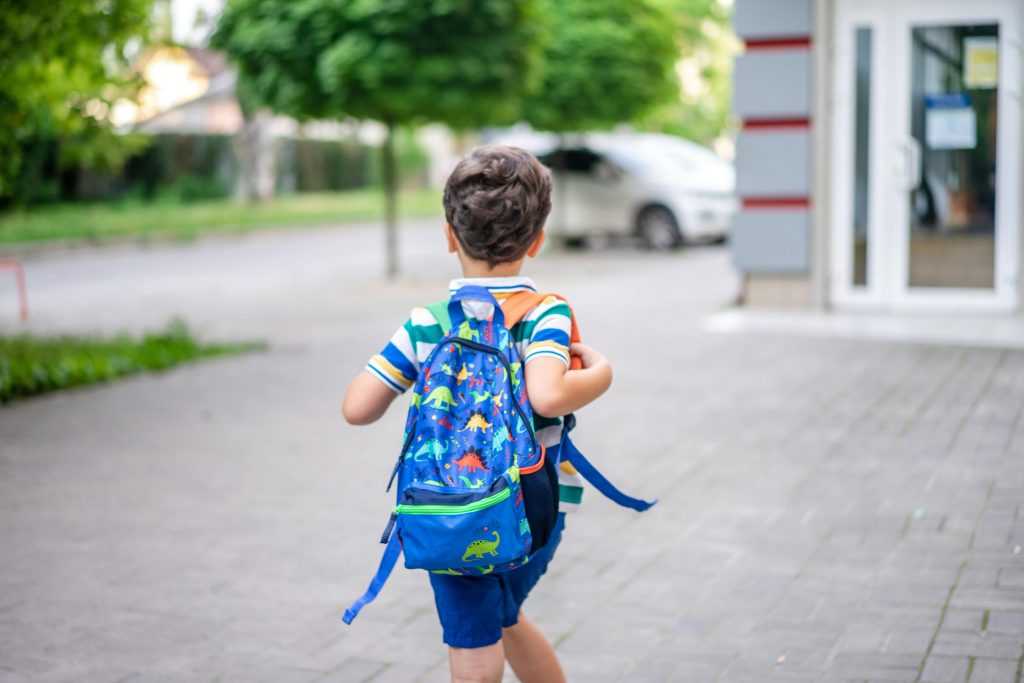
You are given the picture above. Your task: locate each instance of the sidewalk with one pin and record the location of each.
(831, 509)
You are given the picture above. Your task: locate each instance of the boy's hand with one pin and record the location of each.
(589, 356)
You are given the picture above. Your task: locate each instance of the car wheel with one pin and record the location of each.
(658, 229)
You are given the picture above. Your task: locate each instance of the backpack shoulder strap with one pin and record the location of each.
(517, 306)
(440, 312)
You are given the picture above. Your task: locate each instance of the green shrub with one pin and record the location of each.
(32, 365)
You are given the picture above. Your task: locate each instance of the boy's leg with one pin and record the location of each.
(530, 654)
(477, 664)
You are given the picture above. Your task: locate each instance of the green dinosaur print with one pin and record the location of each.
(441, 397)
(471, 484)
(433, 448)
(480, 397)
(447, 369)
(515, 373)
(466, 331)
(500, 437)
(486, 570)
(417, 399)
(479, 548)
(449, 572)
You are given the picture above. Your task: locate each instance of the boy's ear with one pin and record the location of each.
(537, 244)
(453, 243)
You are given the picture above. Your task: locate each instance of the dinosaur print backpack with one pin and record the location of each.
(475, 492)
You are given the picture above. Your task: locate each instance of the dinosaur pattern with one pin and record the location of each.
(433, 447)
(500, 438)
(441, 398)
(476, 423)
(471, 461)
(462, 440)
(477, 549)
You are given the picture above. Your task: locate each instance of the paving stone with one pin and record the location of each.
(963, 619)
(939, 669)
(994, 671)
(979, 645)
(819, 497)
(1009, 623)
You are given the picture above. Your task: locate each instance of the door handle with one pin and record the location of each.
(908, 170)
(914, 161)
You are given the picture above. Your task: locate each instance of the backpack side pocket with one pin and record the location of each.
(540, 496)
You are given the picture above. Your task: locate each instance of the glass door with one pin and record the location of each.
(957, 165)
(926, 194)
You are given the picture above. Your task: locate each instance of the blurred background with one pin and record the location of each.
(139, 107)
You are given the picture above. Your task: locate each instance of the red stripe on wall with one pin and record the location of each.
(788, 43)
(768, 124)
(776, 203)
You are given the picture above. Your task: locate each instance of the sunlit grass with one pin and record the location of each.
(174, 220)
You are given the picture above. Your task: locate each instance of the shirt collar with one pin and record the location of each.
(496, 285)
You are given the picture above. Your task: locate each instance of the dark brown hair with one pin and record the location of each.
(497, 200)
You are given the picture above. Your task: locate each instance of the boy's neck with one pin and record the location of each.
(473, 268)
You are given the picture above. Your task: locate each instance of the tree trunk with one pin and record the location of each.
(390, 203)
(254, 146)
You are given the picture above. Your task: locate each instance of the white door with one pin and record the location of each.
(927, 164)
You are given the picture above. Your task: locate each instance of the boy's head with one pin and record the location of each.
(496, 202)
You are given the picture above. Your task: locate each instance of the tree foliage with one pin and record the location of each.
(706, 48)
(63, 64)
(397, 61)
(605, 62)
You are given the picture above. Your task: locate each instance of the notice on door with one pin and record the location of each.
(950, 122)
(981, 62)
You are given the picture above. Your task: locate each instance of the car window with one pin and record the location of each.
(572, 160)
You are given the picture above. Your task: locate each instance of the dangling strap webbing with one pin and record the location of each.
(387, 563)
(568, 452)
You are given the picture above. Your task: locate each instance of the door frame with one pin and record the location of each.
(889, 202)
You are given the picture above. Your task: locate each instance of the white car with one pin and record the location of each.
(661, 188)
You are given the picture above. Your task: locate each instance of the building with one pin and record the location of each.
(879, 161)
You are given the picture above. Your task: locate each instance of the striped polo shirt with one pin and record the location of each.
(543, 332)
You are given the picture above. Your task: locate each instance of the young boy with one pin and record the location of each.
(496, 202)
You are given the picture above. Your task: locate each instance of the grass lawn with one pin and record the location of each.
(32, 365)
(174, 220)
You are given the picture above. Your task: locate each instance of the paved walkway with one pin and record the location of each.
(831, 510)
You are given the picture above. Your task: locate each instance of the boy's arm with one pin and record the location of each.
(555, 391)
(366, 400)
(388, 374)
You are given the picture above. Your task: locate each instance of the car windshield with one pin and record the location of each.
(646, 159)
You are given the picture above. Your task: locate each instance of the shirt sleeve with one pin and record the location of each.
(397, 365)
(551, 324)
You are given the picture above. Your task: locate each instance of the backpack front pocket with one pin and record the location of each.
(459, 529)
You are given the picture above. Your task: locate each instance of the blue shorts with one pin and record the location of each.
(474, 609)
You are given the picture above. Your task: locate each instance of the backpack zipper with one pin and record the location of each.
(487, 502)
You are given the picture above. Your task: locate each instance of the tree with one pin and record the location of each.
(63, 64)
(395, 61)
(605, 62)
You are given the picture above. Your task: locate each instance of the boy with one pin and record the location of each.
(496, 202)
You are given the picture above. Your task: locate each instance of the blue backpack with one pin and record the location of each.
(477, 493)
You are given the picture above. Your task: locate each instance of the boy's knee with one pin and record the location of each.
(478, 664)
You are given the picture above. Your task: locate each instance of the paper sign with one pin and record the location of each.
(950, 122)
(981, 62)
